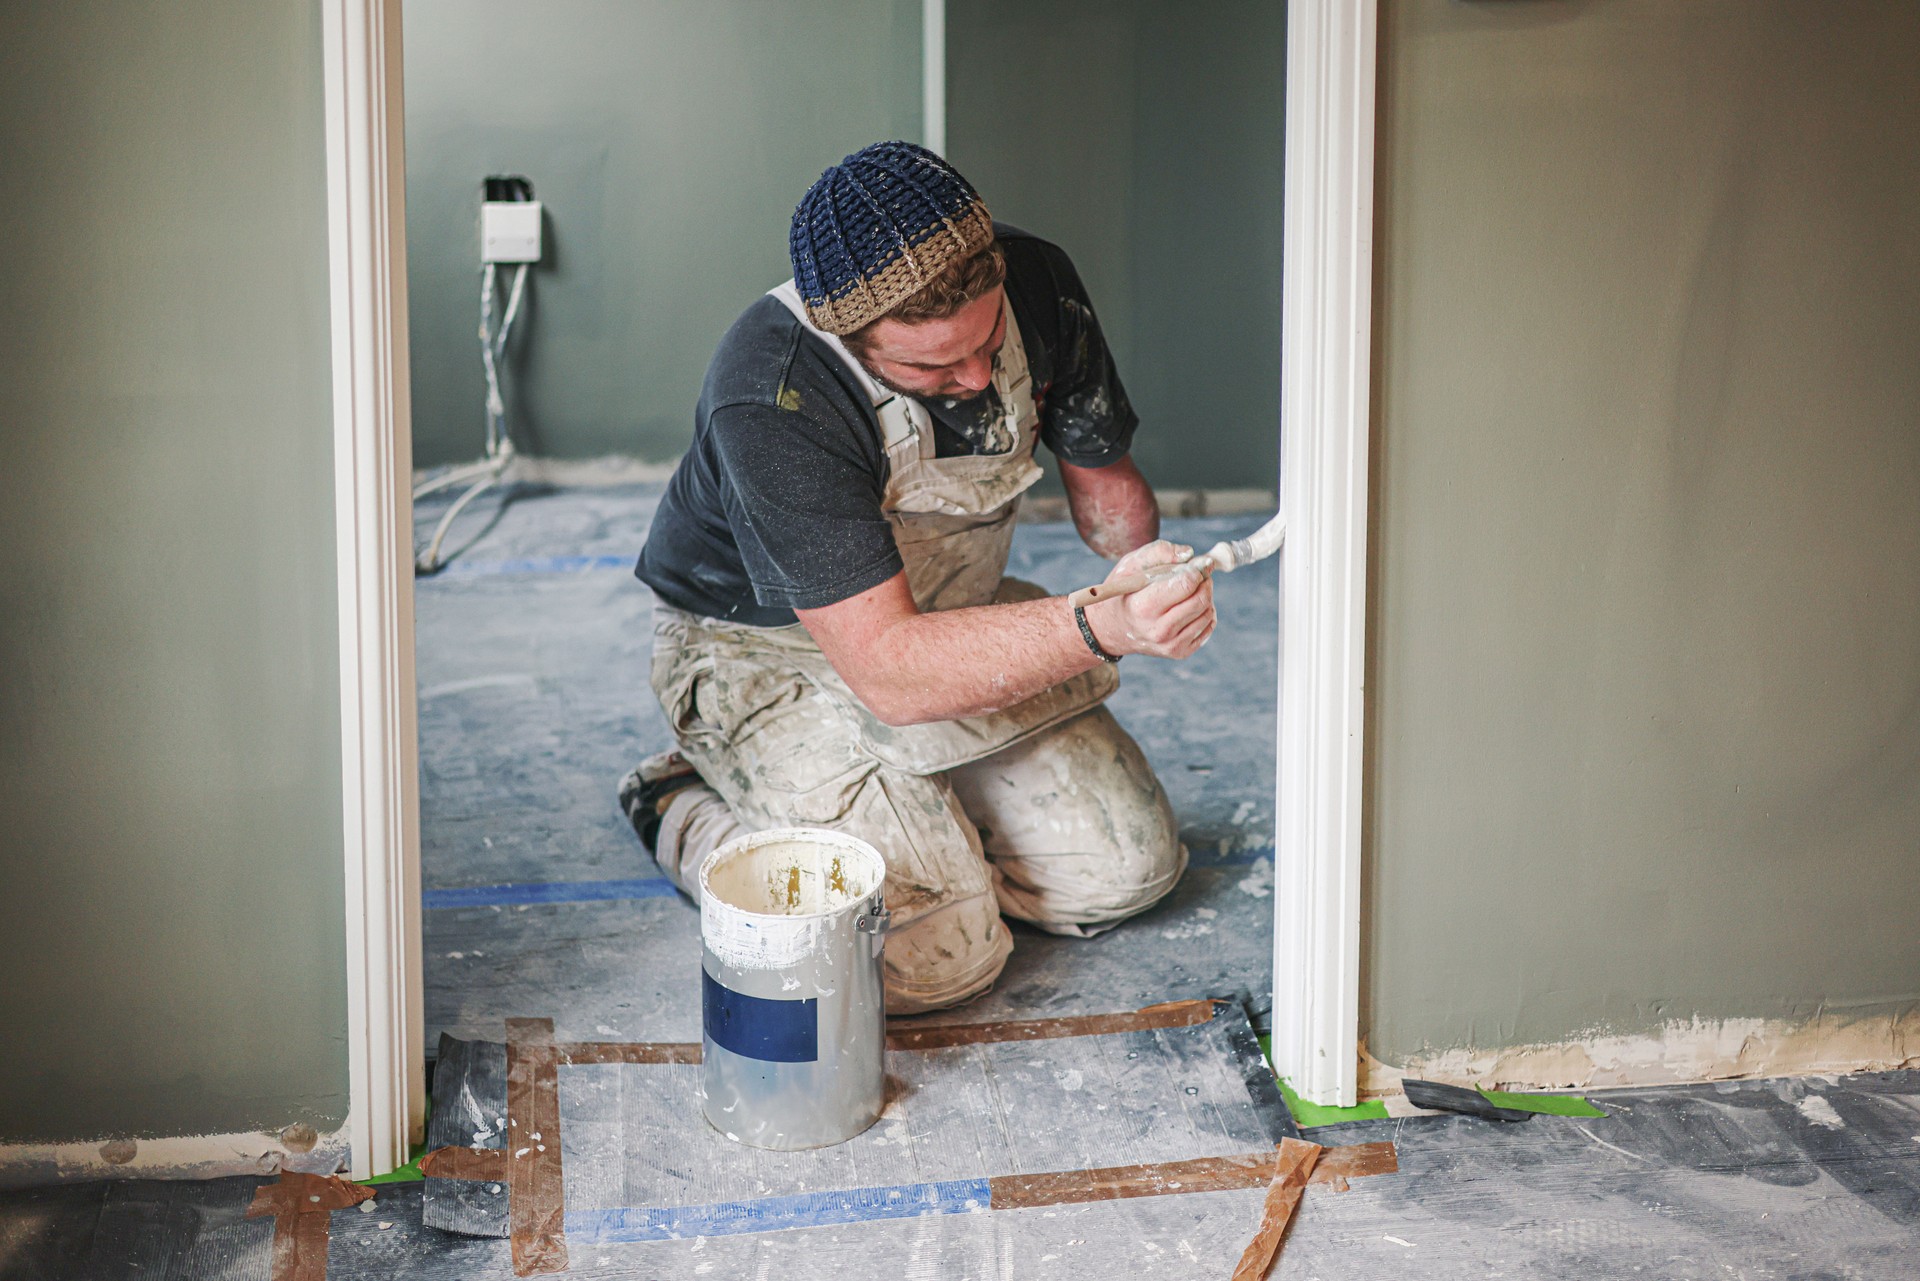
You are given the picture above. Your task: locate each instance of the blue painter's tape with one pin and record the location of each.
(770, 1214)
(533, 565)
(757, 1028)
(547, 892)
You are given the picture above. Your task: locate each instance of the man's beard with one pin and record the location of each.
(961, 395)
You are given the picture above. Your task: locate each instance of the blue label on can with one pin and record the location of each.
(757, 1028)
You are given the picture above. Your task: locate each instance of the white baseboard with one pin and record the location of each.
(199, 1156)
(1681, 1052)
(571, 473)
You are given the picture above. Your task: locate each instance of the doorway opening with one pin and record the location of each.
(532, 693)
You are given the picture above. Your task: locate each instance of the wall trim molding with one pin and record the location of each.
(199, 1156)
(366, 229)
(1326, 376)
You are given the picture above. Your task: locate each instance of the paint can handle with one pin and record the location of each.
(876, 920)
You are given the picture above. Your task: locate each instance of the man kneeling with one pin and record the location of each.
(836, 642)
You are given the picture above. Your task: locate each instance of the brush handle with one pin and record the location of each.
(1224, 557)
(1128, 584)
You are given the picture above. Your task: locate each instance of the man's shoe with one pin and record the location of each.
(649, 787)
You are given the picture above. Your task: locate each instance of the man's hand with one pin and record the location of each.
(1168, 619)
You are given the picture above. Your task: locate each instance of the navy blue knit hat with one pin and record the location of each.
(878, 226)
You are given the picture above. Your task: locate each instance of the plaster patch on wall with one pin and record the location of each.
(1680, 1052)
(200, 1156)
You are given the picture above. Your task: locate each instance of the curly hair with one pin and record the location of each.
(958, 284)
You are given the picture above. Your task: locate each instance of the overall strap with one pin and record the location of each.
(900, 417)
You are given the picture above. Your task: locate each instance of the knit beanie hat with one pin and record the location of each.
(878, 226)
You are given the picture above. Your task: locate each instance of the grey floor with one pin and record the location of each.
(533, 655)
(532, 662)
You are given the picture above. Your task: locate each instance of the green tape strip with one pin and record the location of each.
(1312, 1114)
(411, 1171)
(1306, 1114)
(1547, 1104)
(408, 1173)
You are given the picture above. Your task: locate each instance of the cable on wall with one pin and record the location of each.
(509, 236)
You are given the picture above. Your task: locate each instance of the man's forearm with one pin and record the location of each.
(1113, 506)
(909, 667)
(964, 662)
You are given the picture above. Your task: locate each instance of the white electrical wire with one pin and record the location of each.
(488, 471)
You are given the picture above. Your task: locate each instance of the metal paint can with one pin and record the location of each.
(793, 923)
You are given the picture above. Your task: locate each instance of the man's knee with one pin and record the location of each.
(949, 955)
(1142, 866)
(1127, 868)
(1079, 829)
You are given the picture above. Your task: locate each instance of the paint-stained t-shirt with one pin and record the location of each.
(776, 506)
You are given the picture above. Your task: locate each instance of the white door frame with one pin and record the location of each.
(373, 519)
(1326, 377)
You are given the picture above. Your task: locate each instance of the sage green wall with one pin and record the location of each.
(1645, 681)
(670, 141)
(172, 954)
(1145, 137)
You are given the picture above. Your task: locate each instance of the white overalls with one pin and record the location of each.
(1077, 831)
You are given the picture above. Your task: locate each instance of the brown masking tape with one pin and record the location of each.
(574, 1053)
(300, 1247)
(1170, 1014)
(1119, 1182)
(1204, 1174)
(1297, 1158)
(485, 1165)
(536, 1209)
(1355, 1161)
(301, 1205)
(941, 1036)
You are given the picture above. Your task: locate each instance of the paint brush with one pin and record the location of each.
(1222, 557)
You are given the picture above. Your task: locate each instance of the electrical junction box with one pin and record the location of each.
(510, 231)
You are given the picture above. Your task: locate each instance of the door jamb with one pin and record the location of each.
(1326, 378)
(373, 516)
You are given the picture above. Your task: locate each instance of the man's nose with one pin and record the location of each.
(975, 375)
